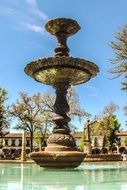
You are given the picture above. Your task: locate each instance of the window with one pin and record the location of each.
(13, 142)
(27, 143)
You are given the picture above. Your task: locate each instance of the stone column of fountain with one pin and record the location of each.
(61, 71)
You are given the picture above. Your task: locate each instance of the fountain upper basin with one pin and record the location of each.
(55, 70)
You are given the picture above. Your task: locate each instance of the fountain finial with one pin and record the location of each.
(62, 28)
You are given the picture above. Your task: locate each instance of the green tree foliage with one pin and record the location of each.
(40, 137)
(73, 101)
(96, 144)
(30, 113)
(112, 127)
(125, 111)
(35, 113)
(125, 141)
(108, 126)
(81, 145)
(120, 60)
(124, 84)
(41, 133)
(4, 117)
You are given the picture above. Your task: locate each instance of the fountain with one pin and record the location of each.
(61, 71)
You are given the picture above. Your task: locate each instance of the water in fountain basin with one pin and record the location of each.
(86, 177)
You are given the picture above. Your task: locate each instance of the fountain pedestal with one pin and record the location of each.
(61, 149)
(61, 71)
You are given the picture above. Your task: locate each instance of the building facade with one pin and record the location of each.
(13, 141)
(97, 141)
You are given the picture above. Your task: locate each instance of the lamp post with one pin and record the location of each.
(23, 153)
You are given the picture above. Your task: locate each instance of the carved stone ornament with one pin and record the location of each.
(62, 139)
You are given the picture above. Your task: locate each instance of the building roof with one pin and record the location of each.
(15, 135)
(122, 133)
(77, 134)
(18, 135)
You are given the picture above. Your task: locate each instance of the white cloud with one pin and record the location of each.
(94, 95)
(95, 92)
(35, 9)
(26, 12)
(40, 14)
(32, 3)
(34, 28)
(92, 90)
(7, 11)
(11, 13)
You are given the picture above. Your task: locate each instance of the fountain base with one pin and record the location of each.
(61, 152)
(58, 159)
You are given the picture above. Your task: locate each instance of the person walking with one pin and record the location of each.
(125, 154)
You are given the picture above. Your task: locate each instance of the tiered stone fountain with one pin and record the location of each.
(61, 71)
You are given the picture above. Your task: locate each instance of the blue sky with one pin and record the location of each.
(23, 39)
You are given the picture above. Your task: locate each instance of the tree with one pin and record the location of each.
(4, 117)
(125, 141)
(95, 143)
(120, 60)
(108, 126)
(125, 84)
(76, 111)
(35, 113)
(73, 101)
(41, 133)
(112, 128)
(125, 111)
(29, 112)
(81, 144)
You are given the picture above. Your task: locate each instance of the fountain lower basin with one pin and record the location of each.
(58, 159)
